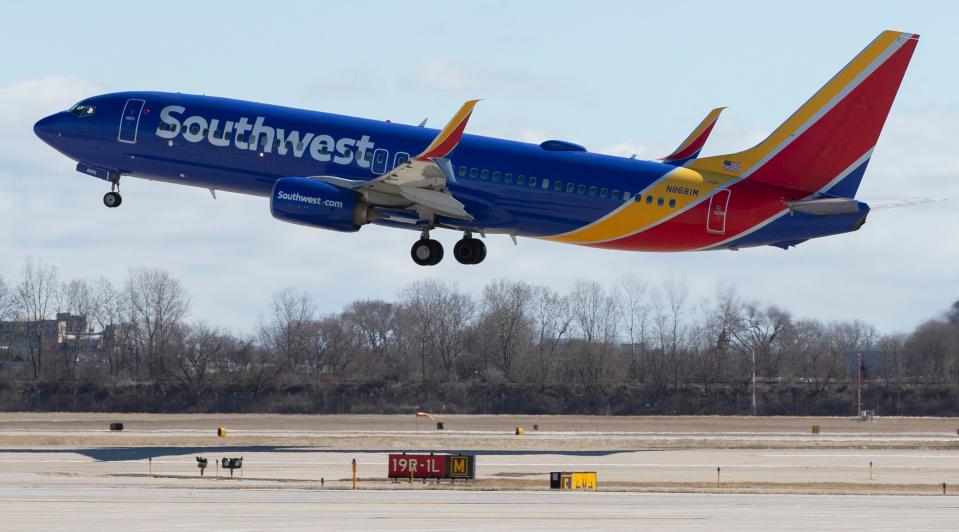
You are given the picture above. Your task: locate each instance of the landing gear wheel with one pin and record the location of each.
(112, 199)
(469, 251)
(427, 252)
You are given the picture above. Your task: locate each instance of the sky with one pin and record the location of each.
(617, 77)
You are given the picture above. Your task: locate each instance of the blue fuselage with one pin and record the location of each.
(508, 187)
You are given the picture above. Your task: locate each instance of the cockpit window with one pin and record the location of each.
(82, 110)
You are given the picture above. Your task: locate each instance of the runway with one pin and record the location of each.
(253, 509)
(59, 471)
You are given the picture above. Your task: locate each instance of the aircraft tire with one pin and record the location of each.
(437, 250)
(480, 251)
(469, 251)
(112, 199)
(427, 252)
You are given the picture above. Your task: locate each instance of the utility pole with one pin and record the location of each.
(753, 351)
(859, 386)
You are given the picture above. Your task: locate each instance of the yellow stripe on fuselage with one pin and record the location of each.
(681, 184)
(748, 158)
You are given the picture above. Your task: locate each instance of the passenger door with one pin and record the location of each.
(130, 121)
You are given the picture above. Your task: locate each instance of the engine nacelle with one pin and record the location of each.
(313, 203)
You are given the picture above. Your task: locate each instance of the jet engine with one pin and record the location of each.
(312, 203)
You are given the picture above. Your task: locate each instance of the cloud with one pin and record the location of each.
(26, 102)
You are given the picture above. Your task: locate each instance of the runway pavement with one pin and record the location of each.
(239, 510)
(61, 472)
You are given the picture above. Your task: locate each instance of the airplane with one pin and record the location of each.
(340, 173)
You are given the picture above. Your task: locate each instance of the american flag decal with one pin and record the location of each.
(731, 166)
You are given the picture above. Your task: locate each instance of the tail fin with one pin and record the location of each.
(826, 144)
(693, 144)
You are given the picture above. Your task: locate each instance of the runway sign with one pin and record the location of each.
(566, 480)
(417, 466)
(462, 466)
(432, 466)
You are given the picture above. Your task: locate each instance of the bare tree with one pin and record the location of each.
(6, 301)
(36, 302)
(155, 305)
(437, 318)
(635, 310)
(595, 318)
(504, 320)
(375, 322)
(290, 329)
(197, 350)
(109, 312)
(78, 300)
(669, 323)
(552, 321)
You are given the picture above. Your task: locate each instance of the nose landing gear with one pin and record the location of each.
(113, 199)
(469, 250)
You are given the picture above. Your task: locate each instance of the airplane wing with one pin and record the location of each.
(419, 183)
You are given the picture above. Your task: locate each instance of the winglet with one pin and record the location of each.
(444, 143)
(693, 144)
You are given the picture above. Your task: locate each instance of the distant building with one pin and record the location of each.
(65, 332)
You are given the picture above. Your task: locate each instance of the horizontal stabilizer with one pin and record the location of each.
(825, 206)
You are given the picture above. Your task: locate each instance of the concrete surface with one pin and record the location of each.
(240, 510)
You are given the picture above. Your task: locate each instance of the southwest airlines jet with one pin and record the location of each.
(338, 172)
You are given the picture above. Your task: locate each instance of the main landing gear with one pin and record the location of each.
(469, 250)
(429, 252)
(113, 199)
(426, 251)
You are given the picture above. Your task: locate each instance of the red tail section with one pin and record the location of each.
(835, 131)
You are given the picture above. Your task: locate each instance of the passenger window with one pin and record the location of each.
(626, 195)
(659, 202)
(484, 174)
(581, 190)
(521, 179)
(532, 181)
(570, 187)
(615, 195)
(473, 172)
(558, 185)
(496, 176)
(508, 178)
(462, 171)
(299, 146)
(672, 204)
(546, 183)
(592, 191)
(649, 200)
(603, 192)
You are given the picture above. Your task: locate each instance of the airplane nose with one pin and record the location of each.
(46, 128)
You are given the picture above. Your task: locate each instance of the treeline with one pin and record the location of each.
(624, 348)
